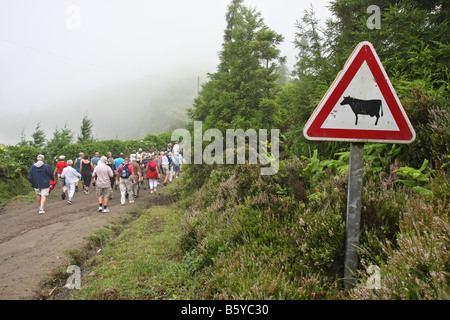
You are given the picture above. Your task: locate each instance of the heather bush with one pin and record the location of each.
(381, 208)
(417, 264)
(428, 111)
(255, 271)
(238, 210)
(283, 236)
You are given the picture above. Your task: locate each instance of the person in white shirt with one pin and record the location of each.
(133, 155)
(176, 148)
(165, 166)
(71, 177)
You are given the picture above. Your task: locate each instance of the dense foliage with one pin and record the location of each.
(282, 237)
(14, 164)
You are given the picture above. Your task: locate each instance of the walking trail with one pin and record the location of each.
(32, 245)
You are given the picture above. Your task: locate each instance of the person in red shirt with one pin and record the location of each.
(58, 170)
(152, 174)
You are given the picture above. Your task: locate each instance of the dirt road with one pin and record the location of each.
(32, 245)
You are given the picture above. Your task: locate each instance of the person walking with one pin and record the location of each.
(152, 174)
(137, 170)
(110, 163)
(144, 166)
(86, 169)
(170, 158)
(71, 177)
(176, 164)
(133, 156)
(58, 170)
(158, 156)
(140, 153)
(103, 174)
(77, 166)
(39, 176)
(165, 166)
(95, 159)
(119, 160)
(176, 148)
(125, 179)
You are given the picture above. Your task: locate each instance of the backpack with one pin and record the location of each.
(125, 171)
(151, 168)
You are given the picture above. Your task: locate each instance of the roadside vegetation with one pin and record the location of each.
(236, 234)
(283, 236)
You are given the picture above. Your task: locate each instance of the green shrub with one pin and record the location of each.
(15, 162)
(239, 209)
(417, 264)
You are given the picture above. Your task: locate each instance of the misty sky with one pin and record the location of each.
(115, 60)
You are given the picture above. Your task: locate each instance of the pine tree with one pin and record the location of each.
(23, 141)
(60, 139)
(241, 94)
(38, 137)
(85, 130)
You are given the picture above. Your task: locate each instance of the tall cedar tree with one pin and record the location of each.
(38, 137)
(85, 130)
(241, 94)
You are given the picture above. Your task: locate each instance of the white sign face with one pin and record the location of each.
(363, 87)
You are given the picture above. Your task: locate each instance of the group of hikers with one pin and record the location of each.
(128, 173)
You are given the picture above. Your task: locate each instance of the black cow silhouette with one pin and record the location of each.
(365, 107)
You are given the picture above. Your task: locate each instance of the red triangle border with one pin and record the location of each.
(363, 52)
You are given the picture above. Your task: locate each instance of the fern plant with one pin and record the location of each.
(416, 177)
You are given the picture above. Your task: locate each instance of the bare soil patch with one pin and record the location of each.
(32, 245)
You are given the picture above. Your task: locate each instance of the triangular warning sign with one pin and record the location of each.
(361, 105)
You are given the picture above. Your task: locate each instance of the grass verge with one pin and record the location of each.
(140, 259)
(143, 262)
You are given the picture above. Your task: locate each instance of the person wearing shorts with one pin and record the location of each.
(39, 176)
(165, 166)
(102, 174)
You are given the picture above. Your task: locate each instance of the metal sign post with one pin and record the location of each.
(353, 213)
(360, 92)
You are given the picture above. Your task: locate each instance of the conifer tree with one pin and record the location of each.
(38, 137)
(60, 139)
(241, 94)
(85, 130)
